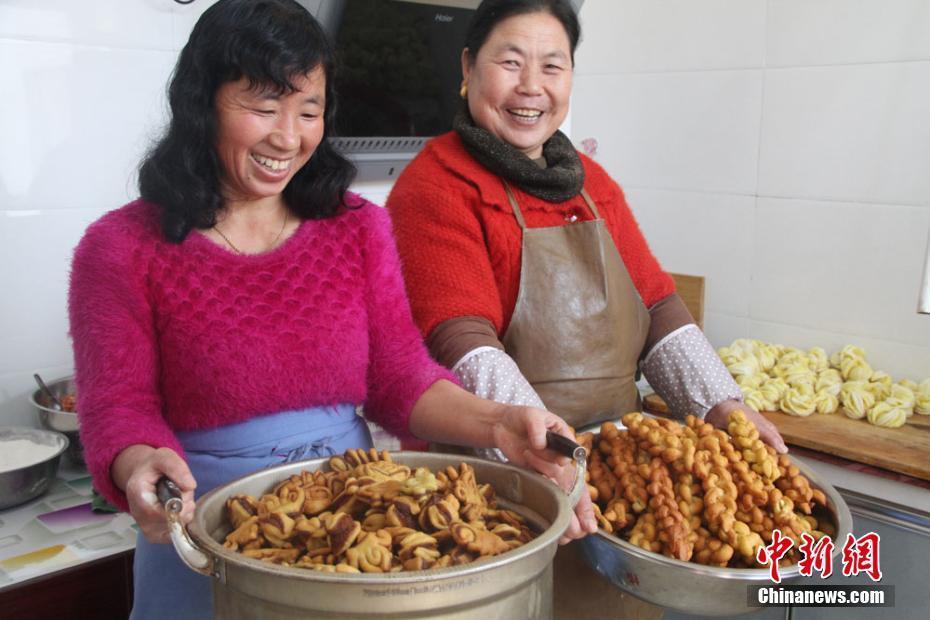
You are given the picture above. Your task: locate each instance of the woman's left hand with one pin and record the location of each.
(521, 436)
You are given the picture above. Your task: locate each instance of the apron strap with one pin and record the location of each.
(513, 205)
(587, 199)
(519, 214)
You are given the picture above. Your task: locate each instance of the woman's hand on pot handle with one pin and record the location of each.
(136, 470)
(521, 436)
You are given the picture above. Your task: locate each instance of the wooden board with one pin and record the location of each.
(905, 450)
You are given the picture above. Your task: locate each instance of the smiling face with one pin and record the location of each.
(263, 138)
(520, 81)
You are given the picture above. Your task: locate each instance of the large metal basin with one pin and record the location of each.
(692, 588)
(19, 485)
(517, 584)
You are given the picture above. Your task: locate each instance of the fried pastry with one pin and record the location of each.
(369, 514)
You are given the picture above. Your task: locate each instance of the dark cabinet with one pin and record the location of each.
(98, 590)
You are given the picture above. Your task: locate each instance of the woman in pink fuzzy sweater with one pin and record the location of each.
(237, 315)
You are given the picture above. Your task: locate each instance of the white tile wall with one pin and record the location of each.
(839, 267)
(41, 242)
(692, 130)
(828, 32)
(140, 24)
(670, 35)
(782, 150)
(858, 133)
(717, 245)
(76, 120)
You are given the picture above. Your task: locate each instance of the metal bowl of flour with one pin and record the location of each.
(29, 461)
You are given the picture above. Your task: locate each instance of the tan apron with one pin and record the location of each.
(579, 324)
(577, 331)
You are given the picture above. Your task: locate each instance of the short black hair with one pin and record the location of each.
(270, 43)
(491, 12)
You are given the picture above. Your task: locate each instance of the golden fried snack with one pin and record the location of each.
(667, 487)
(268, 504)
(644, 533)
(369, 514)
(746, 437)
(330, 568)
(796, 487)
(275, 556)
(710, 550)
(371, 553)
(348, 501)
(463, 485)
(241, 508)
(379, 471)
(477, 540)
(618, 513)
(601, 478)
(309, 533)
(276, 528)
(244, 535)
(514, 537)
(317, 498)
(375, 519)
(418, 551)
(379, 493)
(672, 527)
(402, 512)
(439, 513)
(342, 531)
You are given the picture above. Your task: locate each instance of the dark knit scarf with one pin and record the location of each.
(562, 177)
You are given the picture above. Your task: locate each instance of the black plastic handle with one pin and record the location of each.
(565, 446)
(168, 494)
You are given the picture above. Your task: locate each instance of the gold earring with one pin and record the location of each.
(463, 91)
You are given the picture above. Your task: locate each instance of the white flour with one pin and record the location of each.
(18, 453)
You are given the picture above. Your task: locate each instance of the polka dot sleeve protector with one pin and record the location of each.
(685, 370)
(490, 373)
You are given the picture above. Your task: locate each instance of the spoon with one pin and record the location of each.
(48, 392)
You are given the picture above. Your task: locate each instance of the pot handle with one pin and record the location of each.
(567, 447)
(170, 497)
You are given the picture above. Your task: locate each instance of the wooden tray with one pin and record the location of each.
(905, 450)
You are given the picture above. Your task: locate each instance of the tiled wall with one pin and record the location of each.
(781, 148)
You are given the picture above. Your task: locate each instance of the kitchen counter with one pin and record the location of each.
(58, 531)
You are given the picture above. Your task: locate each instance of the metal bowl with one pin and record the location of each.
(31, 480)
(692, 588)
(55, 419)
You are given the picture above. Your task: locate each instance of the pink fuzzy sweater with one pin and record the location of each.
(191, 336)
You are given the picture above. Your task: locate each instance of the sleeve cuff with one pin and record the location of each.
(685, 370)
(452, 339)
(492, 374)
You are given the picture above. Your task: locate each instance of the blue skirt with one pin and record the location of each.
(164, 587)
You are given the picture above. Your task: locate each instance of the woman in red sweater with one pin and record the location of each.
(525, 268)
(237, 315)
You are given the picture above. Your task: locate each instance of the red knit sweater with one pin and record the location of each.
(460, 244)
